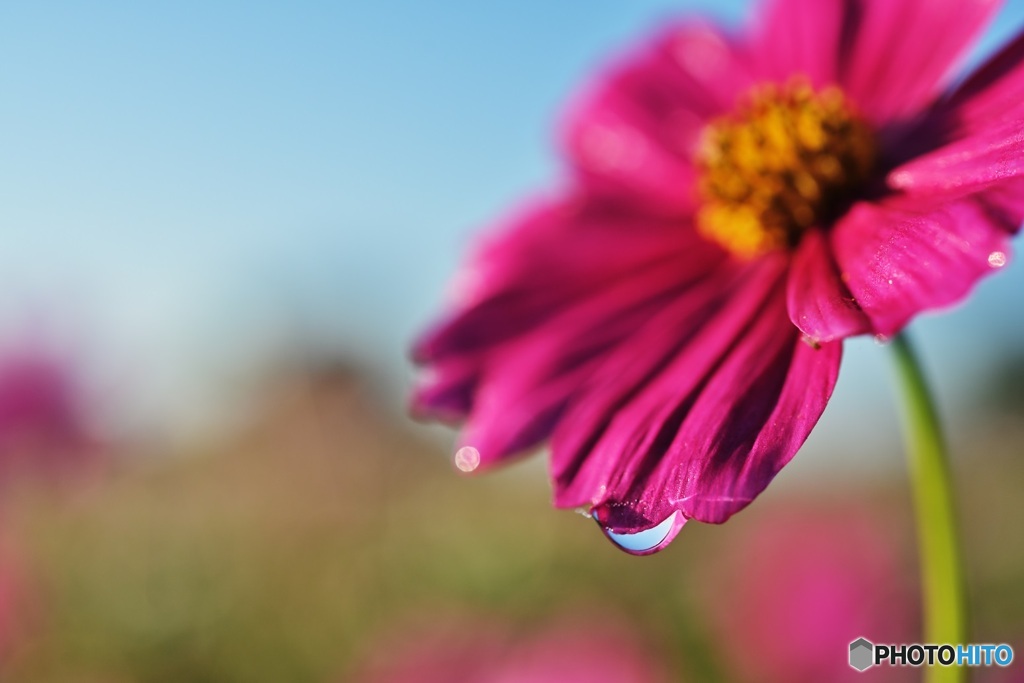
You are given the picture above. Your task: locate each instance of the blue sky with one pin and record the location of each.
(192, 183)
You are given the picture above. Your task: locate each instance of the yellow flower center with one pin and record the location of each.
(783, 162)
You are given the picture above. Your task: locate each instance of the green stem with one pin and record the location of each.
(942, 577)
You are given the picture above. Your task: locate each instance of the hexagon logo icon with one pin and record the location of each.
(861, 651)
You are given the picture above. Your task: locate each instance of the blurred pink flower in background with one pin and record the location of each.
(796, 588)
(736, 206)
(473, 651)
(43, 426)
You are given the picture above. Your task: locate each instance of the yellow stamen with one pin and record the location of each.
(779, 165)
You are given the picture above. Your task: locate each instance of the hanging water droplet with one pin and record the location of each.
(997, 259)
(649, 540)
(467, 458)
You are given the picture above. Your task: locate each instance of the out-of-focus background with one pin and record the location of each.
(222, 225)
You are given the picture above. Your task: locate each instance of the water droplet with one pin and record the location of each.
(882, 339)
(649, 540)
(997, 259)
(467, 458)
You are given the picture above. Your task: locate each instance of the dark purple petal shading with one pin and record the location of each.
(589, 445)
(526, 337)
(525, 384)
(975, 134)
(783, 395)
(542, 259)
(977, 162)
(898, 53)
(903, 256)
(701, 427)
(993, 91)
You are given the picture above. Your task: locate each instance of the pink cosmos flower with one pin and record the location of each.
(671, 321)
(42, 426)
(569, 651)
(797, 588)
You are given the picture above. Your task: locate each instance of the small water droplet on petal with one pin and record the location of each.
(467, 458)
(882, 339)
(649, 540)
(997, 259)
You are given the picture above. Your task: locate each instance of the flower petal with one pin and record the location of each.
(980, 125)
(970, 164)
(552, 296)
(820, 304)
(589, 444)
(704, 430)
(541, 260)
(905, 256)
(993, 91)
(783, 395)
(898, 53)
(635, 131)
(798, 38)
(526, 383)
(445, 390)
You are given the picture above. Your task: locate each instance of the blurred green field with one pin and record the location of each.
(284, 552)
